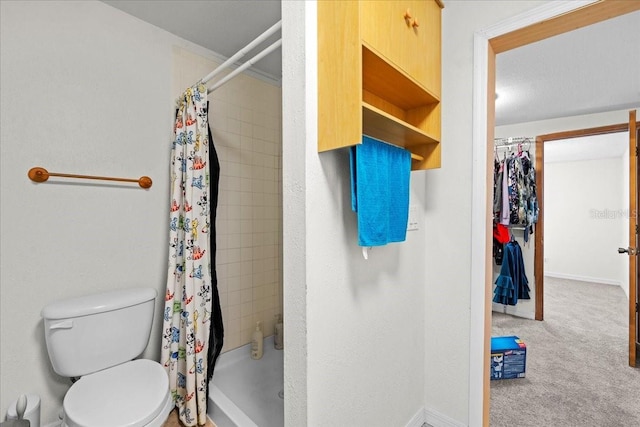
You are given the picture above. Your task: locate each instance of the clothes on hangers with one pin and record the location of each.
(514, 203)
(500, 237)
(514, 198)
(512, 283)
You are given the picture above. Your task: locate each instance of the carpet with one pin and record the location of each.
(174, 421)
(577, 362)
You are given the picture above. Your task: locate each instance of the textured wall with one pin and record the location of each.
(88, 89)
(583, 219)
(85, 89)
(360, 340)
(448, 215)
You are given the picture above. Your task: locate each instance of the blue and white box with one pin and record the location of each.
(508, 358)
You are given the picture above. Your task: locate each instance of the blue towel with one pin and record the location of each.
(380, 175)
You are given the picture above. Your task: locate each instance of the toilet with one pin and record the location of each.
(97, 338)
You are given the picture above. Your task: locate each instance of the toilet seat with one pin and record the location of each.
(133, 394)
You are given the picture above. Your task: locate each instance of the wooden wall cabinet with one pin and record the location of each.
(379, 75)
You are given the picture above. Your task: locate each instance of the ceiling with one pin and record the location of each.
(589, 70)
(223, 26)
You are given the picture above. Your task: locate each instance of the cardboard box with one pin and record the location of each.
(508, 358)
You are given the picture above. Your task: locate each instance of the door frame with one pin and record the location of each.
(538, 263)
(633, 238)
(540, 23)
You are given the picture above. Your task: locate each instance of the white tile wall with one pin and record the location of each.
(245, 116)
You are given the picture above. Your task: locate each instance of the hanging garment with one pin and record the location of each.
(498, 172)
(216, 334)
(514, 198)
(498, 251)
(512, 283)
(515, 189)
(504, 210)
(500, 237)
(531, 198)
(188, 311)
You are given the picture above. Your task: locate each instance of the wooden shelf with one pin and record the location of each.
(385, 127)
(391, 83)
(381, 125)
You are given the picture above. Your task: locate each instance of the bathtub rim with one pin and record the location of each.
(217, 396)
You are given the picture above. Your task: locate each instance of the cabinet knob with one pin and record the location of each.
(407, 14)
(415, 23)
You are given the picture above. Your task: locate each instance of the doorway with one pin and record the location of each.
(539, 260)
(547, 21)
(584, 204)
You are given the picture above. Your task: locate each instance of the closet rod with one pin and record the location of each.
(38, 174)
(242, 52)
(512, 140)
(246, 65)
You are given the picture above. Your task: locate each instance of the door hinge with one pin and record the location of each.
(637, 229)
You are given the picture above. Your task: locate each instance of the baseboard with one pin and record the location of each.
(513, 310)
(436, 419)
(583, 278)
(418, 419)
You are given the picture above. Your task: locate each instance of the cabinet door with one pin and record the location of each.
(339, 75)
(407, 34)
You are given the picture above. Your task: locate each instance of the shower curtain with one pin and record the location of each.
(192, 329)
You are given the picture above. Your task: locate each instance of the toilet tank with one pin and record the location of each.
(95, 332)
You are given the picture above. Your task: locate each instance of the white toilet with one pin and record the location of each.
(96, 337)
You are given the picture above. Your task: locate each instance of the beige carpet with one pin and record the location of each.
(174, 421)
(577, 362)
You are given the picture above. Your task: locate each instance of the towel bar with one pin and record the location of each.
(38, 174)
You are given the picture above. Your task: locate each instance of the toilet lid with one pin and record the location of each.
(127, 395)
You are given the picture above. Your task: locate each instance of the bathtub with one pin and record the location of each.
(246, 392)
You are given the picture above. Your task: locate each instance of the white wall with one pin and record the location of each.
(583, 215)
(448, 214)
(85, 89)
(361, 339)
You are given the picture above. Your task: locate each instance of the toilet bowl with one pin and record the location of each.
(97, 338)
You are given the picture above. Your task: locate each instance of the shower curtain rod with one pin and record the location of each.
(242, 52)
(246, 65)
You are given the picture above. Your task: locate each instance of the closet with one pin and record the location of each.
(515, 213)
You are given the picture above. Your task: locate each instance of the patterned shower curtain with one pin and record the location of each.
(191, 341)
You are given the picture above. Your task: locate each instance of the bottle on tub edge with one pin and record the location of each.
(278, 342)
(257, 343)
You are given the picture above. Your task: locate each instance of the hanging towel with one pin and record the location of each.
(380, 175)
